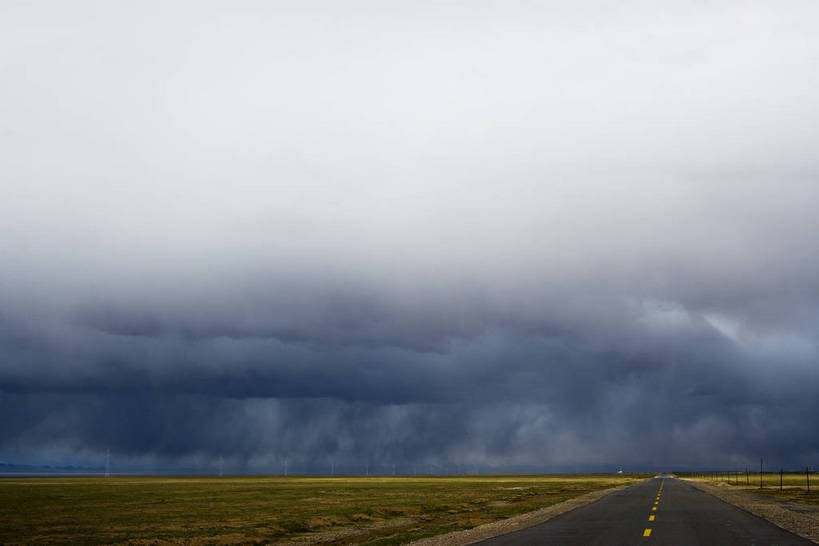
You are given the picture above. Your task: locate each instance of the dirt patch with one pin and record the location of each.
(801, 519)
(362, 517)
(489, 530)
(326, 521)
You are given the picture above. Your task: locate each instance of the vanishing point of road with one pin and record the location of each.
(663, 511)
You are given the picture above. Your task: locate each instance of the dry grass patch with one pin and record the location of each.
(372, 510)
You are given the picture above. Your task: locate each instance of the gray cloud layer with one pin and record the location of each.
(484, 234)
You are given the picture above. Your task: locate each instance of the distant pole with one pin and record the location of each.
(221, 473)
(332, 468)
(780, 478)
(367, 468)
(807, 477)
(107, 463)
(285, 467)
(747, 477)
(760, 473)
(393, 469)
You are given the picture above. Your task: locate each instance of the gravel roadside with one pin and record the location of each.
(798, 518)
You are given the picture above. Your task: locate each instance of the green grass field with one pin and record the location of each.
(201, 510)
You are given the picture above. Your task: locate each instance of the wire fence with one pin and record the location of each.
(782, 478)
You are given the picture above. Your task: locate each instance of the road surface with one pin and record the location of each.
(663, 511)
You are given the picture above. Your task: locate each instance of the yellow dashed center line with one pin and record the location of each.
(647, 532)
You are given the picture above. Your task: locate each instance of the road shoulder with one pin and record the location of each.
(800, 519)
(515, 523)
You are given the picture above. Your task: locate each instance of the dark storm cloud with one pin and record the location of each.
(686, 395)
(504, 237)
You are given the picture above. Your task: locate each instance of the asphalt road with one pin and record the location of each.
(660, 511)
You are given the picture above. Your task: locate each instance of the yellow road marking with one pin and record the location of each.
(650, 518)
(653, 507)
(656, 502)
(647, 533)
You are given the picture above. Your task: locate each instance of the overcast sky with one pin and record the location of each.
(542, 235)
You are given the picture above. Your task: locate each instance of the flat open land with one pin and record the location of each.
(203, 510)
(794, 486)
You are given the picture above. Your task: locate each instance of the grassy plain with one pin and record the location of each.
(210, 510)
(794, 485)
